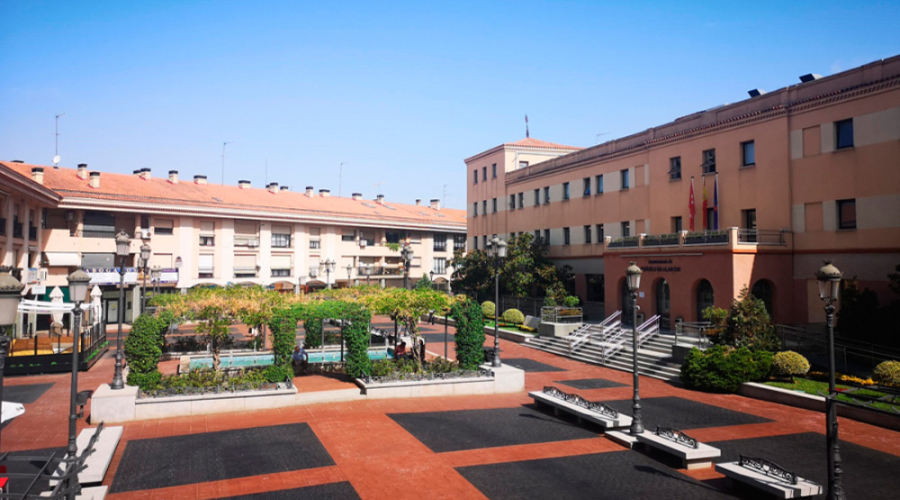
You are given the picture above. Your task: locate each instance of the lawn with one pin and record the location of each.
(490, 324)
(818, 388)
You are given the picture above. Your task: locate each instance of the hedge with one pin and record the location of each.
(469, 334)
(887, 373)
(790, 363)
(143, 348)
(513, 316)
(724, 369)
(488, 309)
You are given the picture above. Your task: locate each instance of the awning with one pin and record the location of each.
(63, 259)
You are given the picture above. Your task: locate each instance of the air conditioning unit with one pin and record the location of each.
(145, 234)
(252, 243)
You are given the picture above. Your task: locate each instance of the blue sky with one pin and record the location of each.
(401, 92)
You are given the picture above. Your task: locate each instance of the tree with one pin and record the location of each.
(425, 283)
(469, 333)
(749, 325)
(407, 306)
(143, 348)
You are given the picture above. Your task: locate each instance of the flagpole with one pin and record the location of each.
(716, 201)
(691, 205)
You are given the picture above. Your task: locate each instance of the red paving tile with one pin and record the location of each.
(378, 457)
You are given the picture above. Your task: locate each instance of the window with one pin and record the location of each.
(587, 234)
(280, 273)
(600, 236)
(547, 236)
(711, 219)
(475, 175)
(145, 222)
(484, 173)
(843, 134)
(396, 236)
(749, 221)
(600, 184)
(347, 235)
(537, 197)
(205, 266)
(521, 200)
(368, 237)
(624, 175)
(282, 240)
(626, 229)
(709, 161)
(586, 186)
(484, 207)
(494, 170)
(675, 168)
(475, 209)
(315, 244)
(494, 204)
(523, 164)
(846, 214)
(207, 241)
(440, 265)
(163, 227)
(484, 241)
(537, 235)
(748, 154)
(280, 266)
(676, 225)
(547, 194)
(459, 242)
(565, 236)
(565, 190)
(475, 239)
(512, 202)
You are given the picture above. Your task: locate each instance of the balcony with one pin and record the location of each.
(17, 229)
(761, 237)
(628, 241)
(661, 240)
(32, 233)
(706, 238)
(731, 237)
(94, 233)
(246, 241)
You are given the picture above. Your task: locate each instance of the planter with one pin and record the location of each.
(706, 238)
(504, 379)
(661, 240)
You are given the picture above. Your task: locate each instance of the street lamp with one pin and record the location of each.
(368, 270)
(178, 264)
(633, 273)
(829, 278)
(145, 259)
(349, 270)
(498, 252)
(79, 282)
(10, 294)
(329, 268)
(431, 275)
(123, 249)
(156, 278)
(406, 255)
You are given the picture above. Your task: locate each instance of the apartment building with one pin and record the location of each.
(779, 182)
(204, 234)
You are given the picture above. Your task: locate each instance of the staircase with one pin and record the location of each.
(614, 350)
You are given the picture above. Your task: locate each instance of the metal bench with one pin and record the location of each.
(769, 477)
(581, 408)
(693, 453)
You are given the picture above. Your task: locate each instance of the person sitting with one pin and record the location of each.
(401, 350)
(300, 358)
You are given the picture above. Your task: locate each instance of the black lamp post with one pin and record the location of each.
(829, 278)
(145, 259)
(368, 269)
(10, 294)
(633, 274)
(349, 271)
(156, 279)
(79, 282)
(498, 252)
(123, 249)
(406, 255)
(329, 267)
(431, 275)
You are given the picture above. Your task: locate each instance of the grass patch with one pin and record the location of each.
(490, 324)
(814, 387)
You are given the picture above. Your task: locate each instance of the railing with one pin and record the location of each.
(315, 244)
(559, 314)
(706, 238)
(617, 341)
(32, 233)
(761, 237)
(246, 241)
(628, 241)
(111, 233)
(17, 229)
(658, 240)
(589, 332)
(693, 330)
(851, 356)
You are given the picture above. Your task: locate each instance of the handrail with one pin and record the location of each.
(588, 331)
(646, 330)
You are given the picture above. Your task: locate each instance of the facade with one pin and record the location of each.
(791, 177)
(206, 234)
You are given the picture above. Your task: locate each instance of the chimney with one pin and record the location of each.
(95, 180)
(809, 77)
(137, 172)
(418, 202)
(82, 171)
(284, 188)
(273, 187)
(309, 191)
(379, 199)
(37, 174)
(199, 179)
(436, 204)
(756, 92)
(324, 193)
(357, 196)
(145, 174)
(173, 176)
(244, 184)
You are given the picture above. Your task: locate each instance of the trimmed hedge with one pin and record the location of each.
(790, 363)
(283, 326)
(887, 373)
(469, 334)
(143, 348)
(488, 309)
(513, 316)
(356, 337)
(724, 369)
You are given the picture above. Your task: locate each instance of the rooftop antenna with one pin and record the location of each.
(599, 135)
(223, 160)
(527, 134)
(56, 157)
(341, 177)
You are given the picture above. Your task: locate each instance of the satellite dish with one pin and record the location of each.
(56, 160)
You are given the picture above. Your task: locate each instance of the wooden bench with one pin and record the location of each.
(693, 454)
(597, 413)
(768, 477)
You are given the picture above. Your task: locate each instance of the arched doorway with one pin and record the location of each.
(627, 310)
(762, 290)
(704, 297)
(663, 302)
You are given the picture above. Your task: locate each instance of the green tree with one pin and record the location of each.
(357, 339)
(424, 283)
(469, 333)
(143, 349)
(749, 325)
(407, 306)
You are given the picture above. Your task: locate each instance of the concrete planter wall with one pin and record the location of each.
(505, 379)
(816, 403)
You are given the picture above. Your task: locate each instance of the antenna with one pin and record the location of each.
(600, 134)
(341, 177)
(223, 159)
(56, 157)
(527, 134)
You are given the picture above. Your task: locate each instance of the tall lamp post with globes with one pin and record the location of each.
(498, 252)
(829, 278)
(123, 249)
(156, 279)
(406, 255)
(633, 274)
(79, 282)
(145, 261)
(368, 269)
(329, 268)
(349, 271)
(10, 294)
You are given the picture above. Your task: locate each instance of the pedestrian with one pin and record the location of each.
(422, 349)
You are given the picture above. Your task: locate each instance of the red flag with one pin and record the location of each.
(705, 205)
(691, 205)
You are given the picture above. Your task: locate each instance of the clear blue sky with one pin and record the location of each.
(402, 92)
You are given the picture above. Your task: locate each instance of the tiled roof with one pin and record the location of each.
(133, 189)
(531, 142)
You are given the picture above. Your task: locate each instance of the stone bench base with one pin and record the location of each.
(92, 493)
(781, 489)
(691, 458)
(97, 463)
(581, 413)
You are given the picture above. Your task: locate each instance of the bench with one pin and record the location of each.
(693, 454)
(97, 463)
(762, 475)
(582, 409)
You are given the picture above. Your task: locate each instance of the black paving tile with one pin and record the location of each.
(590, 383)
(331, 491)
(868, 473)
(214, 456)
(474, 429)
(684, 413)
(530, 365)
(435, 339)
(25, 394)
(614, 475)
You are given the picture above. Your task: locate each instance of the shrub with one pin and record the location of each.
(382, 367)
(278, 373)
(724, 369)
(441, 365)
(571, 301)
(283, 326)
(469, 334)
(549, 301)
(143, 348)
(488, 309)
(146, 381)
(356, 336)
(887, 373)
(513, 316)
(747, 324)
(790, 363)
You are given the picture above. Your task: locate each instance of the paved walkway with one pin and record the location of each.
(383, 448)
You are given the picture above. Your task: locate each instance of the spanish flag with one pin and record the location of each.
(705, 204)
